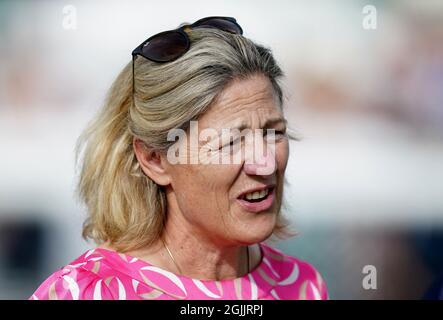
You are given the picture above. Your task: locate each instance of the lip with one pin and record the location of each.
(259, 188)
(258, 206)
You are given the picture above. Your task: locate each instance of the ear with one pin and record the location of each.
(151, 162)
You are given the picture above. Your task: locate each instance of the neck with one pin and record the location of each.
(198, 256)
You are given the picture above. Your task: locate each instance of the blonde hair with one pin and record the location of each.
(125, 207)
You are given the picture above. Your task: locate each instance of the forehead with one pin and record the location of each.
(250, 101)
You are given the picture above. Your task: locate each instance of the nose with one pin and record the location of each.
(261, 163)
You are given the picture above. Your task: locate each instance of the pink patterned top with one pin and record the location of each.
(104, 274)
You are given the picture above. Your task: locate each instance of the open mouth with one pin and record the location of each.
(257, 196)
(258, 200)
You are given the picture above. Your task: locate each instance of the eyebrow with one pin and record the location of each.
(269, 123)
(240, 126)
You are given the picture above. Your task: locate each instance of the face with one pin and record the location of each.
(234, 201)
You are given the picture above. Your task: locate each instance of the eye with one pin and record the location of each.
(231, 143)
(278, 133)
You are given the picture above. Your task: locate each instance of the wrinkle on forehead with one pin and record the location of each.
(252, 97)
(243, 92)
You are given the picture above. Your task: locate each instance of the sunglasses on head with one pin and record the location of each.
(169, 45)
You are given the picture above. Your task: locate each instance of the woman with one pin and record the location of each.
(169, 221)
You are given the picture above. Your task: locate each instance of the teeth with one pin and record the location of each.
(257, 194)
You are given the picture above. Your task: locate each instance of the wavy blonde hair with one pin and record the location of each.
(125, 207)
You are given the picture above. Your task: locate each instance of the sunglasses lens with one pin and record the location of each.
(166, 46)
(222, 24)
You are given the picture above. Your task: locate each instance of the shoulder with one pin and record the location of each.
(299, 275)
(85, 278)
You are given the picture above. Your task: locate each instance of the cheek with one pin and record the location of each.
(204, 186)
(282, 155)
(221, 178)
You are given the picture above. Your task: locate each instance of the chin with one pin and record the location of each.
(259, 233)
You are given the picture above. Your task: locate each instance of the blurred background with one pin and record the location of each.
(364, 90)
